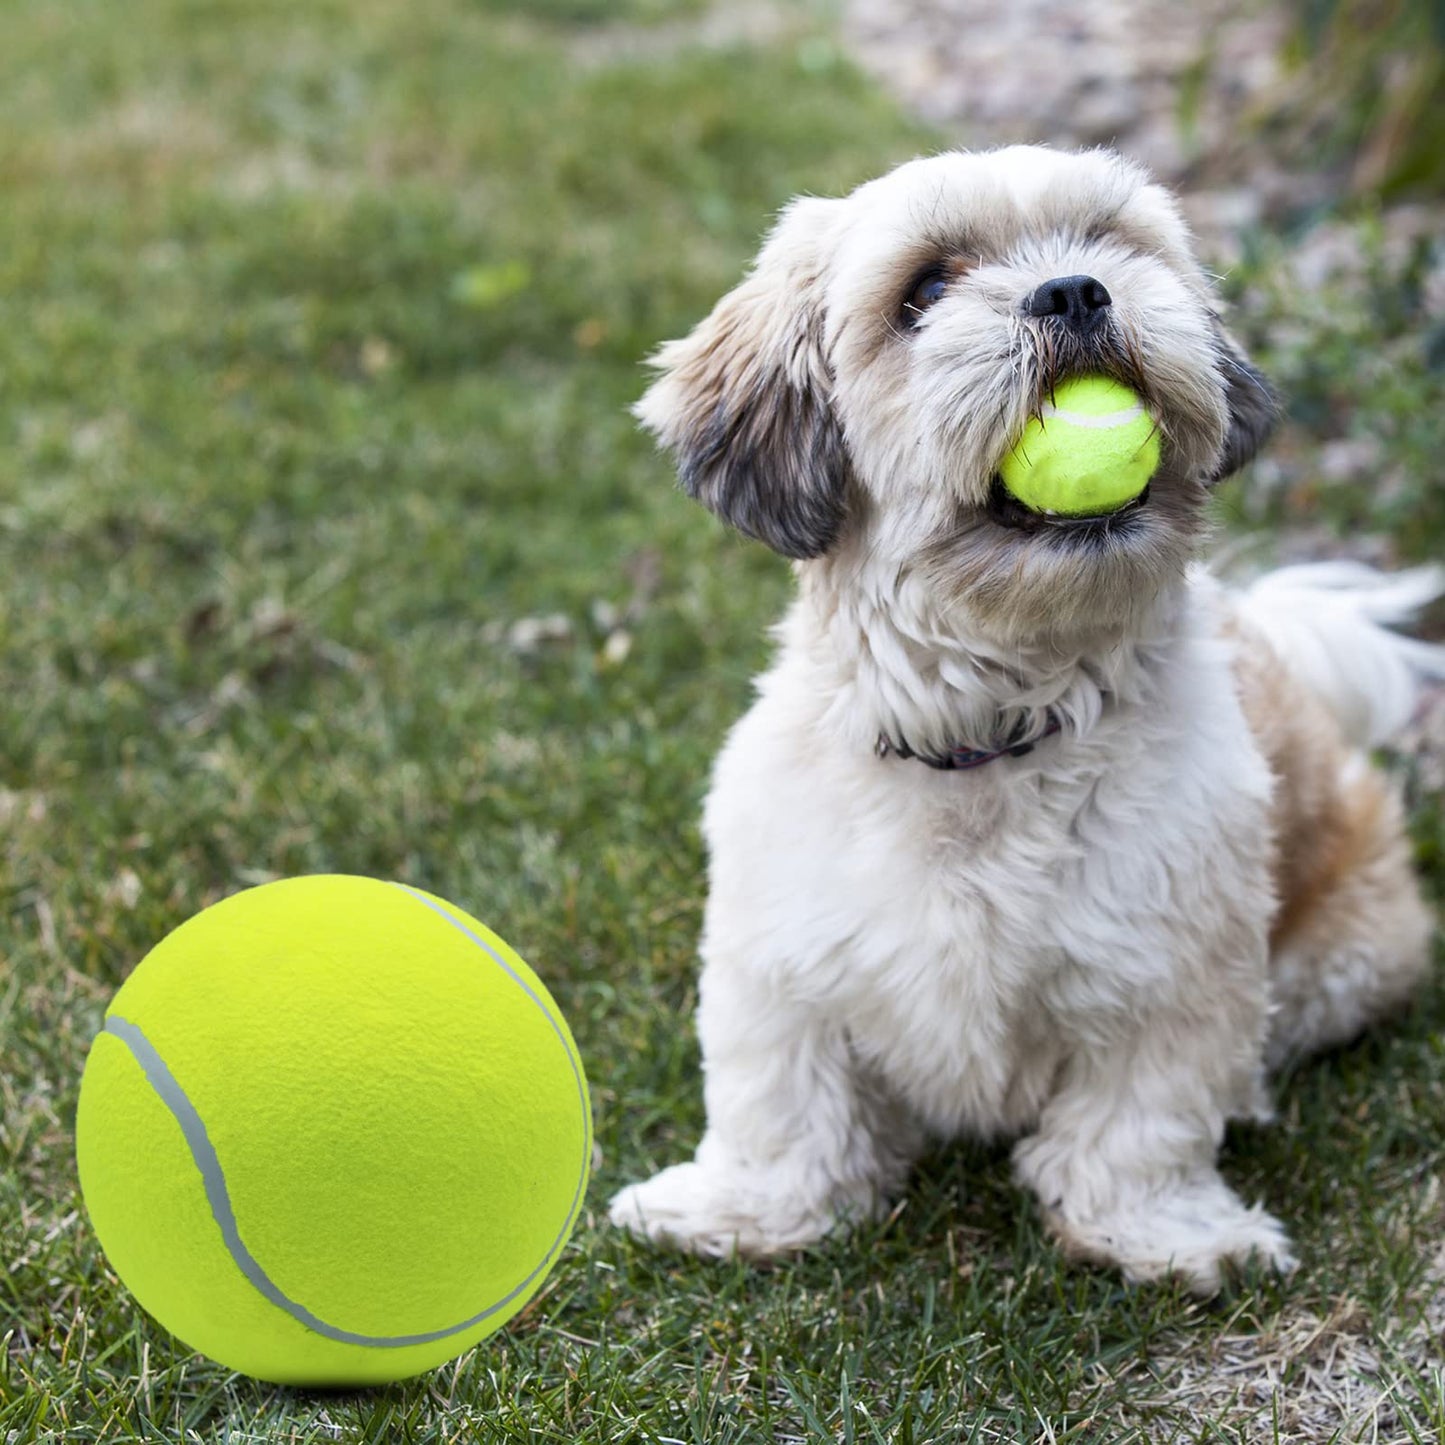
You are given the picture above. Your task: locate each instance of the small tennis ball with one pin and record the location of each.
(1092, 451)
(334, 1132)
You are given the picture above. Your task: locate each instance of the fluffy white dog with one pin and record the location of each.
(1033, 829)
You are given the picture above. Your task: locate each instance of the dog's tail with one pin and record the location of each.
(1330, 624)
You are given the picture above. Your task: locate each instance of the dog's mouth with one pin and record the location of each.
(1007, 511)
(1109, 366)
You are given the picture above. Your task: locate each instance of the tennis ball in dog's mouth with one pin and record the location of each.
(333, 1132)
(1091, 451)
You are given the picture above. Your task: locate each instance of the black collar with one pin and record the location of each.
(960, 758)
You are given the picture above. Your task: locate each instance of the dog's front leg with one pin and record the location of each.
(797, 1140)
(1123, 1162)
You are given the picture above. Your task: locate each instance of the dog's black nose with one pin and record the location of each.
(1079, 301)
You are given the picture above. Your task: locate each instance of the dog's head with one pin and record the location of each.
(851, 400)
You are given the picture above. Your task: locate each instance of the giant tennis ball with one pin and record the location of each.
(1092, 450)
(334, 1132)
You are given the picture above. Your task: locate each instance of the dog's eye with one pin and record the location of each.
(929, 288)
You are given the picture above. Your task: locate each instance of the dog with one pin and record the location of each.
(1035, 829)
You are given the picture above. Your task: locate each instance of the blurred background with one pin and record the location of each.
(327, 542)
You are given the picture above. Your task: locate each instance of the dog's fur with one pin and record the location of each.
(1099, 946)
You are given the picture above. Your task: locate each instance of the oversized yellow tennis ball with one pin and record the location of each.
(334, 1132)
(1091, 451)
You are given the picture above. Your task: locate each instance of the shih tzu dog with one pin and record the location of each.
(1034, 829)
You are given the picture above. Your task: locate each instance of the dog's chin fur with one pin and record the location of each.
(1098, 946)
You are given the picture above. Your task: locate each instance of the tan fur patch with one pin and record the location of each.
(1341, 864)
(1326, 816)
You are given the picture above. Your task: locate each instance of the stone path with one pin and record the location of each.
(1164, 81)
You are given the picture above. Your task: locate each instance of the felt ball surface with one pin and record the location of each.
(1092, 450)
(334, 1132)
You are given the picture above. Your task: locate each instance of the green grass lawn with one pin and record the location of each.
(318, 327)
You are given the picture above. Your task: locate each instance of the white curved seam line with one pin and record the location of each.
(213, 1177)
(1094, 423)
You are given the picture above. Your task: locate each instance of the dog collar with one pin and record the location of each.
(959, 759)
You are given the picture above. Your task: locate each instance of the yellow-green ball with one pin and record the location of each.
(1093, 450)
(334, 1132)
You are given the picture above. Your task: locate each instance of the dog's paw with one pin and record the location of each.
(717, 1214)
(1200, 1236)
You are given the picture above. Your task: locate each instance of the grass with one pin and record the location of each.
(317, 327)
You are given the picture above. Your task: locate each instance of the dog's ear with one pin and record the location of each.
(744, 402)
(1250, 400)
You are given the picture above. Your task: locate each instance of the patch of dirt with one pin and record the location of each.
(1342, 1376)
